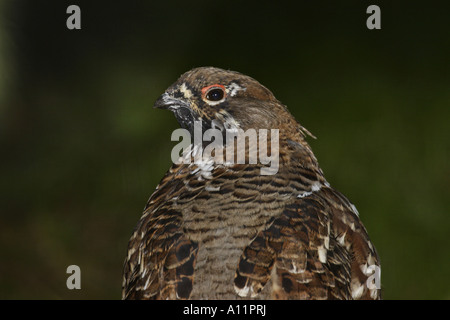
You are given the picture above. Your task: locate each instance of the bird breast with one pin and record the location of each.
(222, 217)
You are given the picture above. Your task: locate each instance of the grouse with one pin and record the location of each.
(220, 228)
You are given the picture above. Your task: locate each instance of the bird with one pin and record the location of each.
(223, 230)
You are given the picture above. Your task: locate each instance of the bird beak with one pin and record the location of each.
(166, 101)
(180, 108)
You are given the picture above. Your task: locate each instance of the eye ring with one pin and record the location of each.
(214, 94)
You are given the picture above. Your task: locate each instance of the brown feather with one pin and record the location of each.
(228, 232)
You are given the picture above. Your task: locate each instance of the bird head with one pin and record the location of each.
(224, 99)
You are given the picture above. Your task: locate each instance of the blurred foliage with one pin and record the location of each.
(82, 150)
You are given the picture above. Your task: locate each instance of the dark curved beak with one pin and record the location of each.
(166, 101)
(180, 108)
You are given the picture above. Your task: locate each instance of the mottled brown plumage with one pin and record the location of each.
(225, 231)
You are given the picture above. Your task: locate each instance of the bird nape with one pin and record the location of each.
(220, 227)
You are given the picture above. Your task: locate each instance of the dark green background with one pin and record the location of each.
(82, 149)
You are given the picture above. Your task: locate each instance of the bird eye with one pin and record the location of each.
(214, 94)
